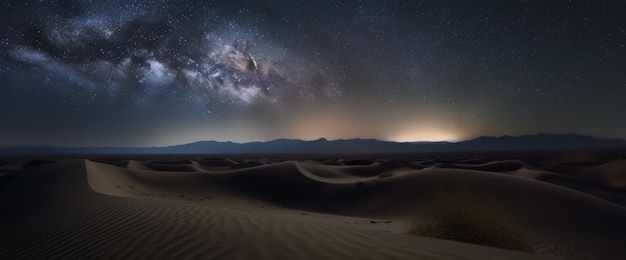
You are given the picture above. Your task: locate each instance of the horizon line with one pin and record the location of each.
(309, 140)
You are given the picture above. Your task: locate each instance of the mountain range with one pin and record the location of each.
(349, 146)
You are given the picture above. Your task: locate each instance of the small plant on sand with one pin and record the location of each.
(471, 220)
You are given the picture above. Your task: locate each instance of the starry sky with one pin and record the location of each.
(155, 73)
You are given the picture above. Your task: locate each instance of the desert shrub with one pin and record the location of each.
(470, 220)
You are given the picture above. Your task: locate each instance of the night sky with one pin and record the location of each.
(154, 73)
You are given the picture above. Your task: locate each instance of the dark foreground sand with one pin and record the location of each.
(306, 208)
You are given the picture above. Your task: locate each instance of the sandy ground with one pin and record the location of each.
(307, 208)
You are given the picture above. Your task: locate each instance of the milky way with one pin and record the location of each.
(148, 72)
(156, 55)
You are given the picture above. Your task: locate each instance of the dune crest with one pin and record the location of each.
(267, 209)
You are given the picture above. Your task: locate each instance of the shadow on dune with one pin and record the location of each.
(555, 220)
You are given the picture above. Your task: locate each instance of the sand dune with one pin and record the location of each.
(304, 209)
(612, 174)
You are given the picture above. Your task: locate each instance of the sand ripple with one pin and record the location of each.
(220, 208)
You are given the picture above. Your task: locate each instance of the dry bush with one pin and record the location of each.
(468, 219)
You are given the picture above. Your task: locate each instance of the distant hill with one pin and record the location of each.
(537, 142)
(350, 146)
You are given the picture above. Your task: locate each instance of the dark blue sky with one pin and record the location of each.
(143, 73)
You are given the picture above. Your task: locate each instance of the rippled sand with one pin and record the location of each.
(305, 208)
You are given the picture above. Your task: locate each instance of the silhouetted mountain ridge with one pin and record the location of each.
(345, 146)
(538, 142)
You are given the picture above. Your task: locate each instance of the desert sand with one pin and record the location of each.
(376, 207)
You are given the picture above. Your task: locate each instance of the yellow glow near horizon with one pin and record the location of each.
(424, 136)
(424, 132)
(342, 125)
(328, 123)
